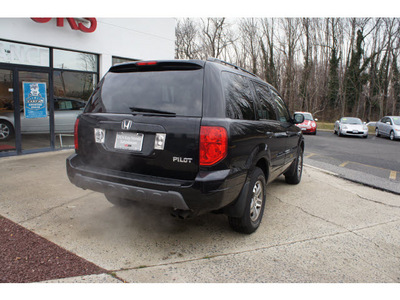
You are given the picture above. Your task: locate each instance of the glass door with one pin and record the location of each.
(34, 107)
(7, 127)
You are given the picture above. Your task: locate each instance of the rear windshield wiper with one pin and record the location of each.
(151, 112)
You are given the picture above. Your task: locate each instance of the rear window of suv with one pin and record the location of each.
(174, 91)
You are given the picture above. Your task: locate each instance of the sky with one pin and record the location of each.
(203, 8)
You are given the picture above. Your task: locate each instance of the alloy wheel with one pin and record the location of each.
(256, 201)
(4, 131)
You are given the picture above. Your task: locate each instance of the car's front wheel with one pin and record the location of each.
(391, 136)
(254, 207)
(377, 134)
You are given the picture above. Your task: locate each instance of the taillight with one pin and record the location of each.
(76, 134)
(146, 63)
(213, 144)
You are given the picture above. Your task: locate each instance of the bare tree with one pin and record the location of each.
(186, 46)
(215, 36)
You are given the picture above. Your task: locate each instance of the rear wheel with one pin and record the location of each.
(293, 175)
(255, 203)
(121, 202)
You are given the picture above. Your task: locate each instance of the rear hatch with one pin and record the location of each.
(144, 118)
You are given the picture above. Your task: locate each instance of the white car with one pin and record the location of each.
(65, 113)
(388, 126)
(351, 126)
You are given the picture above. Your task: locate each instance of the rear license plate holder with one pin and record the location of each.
(129, 141)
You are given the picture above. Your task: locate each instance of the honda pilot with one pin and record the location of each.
(195, 136)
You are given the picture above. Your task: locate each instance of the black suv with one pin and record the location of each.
(195, 136)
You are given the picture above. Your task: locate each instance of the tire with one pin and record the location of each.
(254, 207)
(121, 202)
(338, 133)
(315, 132)
(377, 134)
(6, 130)
(293, 175)
(391, 135)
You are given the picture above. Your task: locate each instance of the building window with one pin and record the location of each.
(74, 85)
(21, 54)
(120, 60)
(75, 74)
(75, 61)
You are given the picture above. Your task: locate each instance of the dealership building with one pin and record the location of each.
(50, 66)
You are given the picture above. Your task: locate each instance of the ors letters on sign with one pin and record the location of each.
(72, 23)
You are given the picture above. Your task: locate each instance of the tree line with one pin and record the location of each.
(331, 67)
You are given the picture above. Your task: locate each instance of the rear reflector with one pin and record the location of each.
(213, 145)
(76, 134)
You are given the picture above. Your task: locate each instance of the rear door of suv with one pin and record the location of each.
(144, 118)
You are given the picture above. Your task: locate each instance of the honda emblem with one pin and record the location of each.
(126, 124)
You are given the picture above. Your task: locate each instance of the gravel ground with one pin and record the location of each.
(27, 257)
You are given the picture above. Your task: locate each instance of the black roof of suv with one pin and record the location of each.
(196, 136)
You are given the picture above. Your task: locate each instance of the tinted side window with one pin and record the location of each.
(283, 114)
(238, 96)
(266, 111)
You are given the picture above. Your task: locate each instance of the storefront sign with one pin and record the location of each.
(35, 100)
(74, 23)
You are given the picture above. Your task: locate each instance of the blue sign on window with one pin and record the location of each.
(35, 100)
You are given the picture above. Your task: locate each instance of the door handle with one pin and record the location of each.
(280, 134)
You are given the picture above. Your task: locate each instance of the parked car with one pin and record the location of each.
(309, 125)
(195, 136)
(65, 113)
(351, 126)
(388, 126)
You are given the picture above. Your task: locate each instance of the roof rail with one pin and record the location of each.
(213, 59)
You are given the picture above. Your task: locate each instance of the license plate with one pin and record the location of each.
(303, 128)
(129, 141)
(355, 131)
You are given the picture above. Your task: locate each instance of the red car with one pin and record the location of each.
(309, 125)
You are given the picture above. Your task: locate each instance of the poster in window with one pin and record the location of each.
(35, 100)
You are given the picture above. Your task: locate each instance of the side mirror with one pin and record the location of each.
(298, 118)
(316, 120)
(364, 123)
(388, 123)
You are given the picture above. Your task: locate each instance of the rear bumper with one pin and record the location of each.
(209, 191)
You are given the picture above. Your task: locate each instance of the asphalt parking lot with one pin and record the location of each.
(325, 229)
(373, 161)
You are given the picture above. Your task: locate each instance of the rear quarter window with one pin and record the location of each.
(238, 96)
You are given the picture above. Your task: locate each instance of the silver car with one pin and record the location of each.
(65, 113)
(351, 126)
(388, 126)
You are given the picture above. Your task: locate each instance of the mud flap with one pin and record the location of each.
(236, 209)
